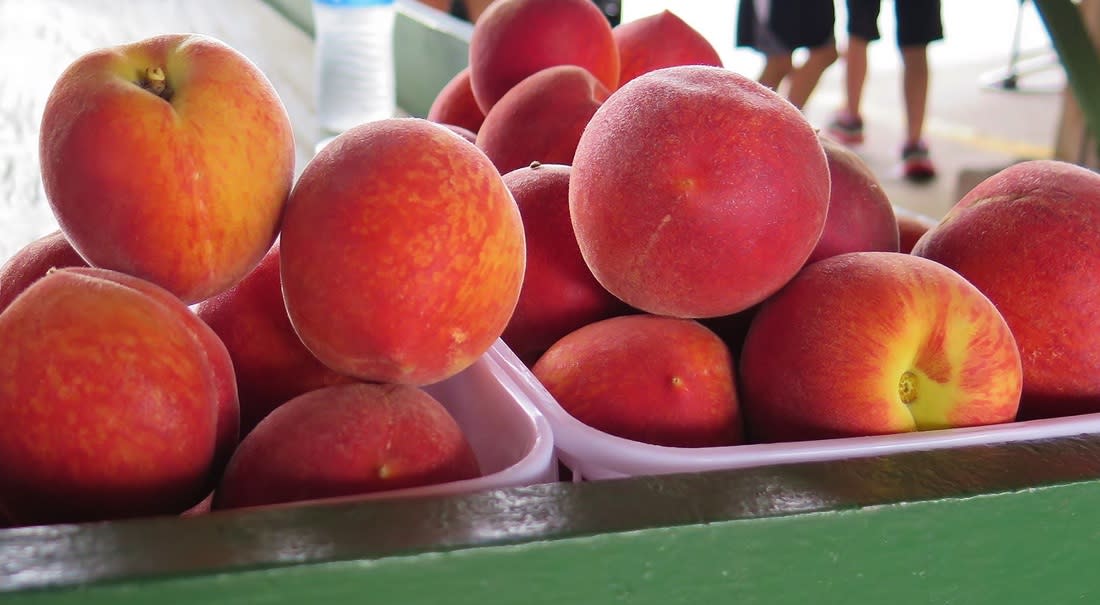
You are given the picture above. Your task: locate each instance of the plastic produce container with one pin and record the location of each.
(593, 454)
(510, 435)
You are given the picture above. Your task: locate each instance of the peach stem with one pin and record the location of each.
(155, 82)
(907, 387)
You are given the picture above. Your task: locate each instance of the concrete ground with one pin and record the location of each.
(973, 128)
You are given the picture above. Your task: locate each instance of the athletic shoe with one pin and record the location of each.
(846, 129)
(916, 164)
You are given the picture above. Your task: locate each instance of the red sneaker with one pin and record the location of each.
(916, 164)
(846, 128)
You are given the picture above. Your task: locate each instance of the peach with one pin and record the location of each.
(33, 261)
(697, 192)
(658, 380)
(221, 365)
(270, 363)
(912, 226)
(203, 507)
(402, 253)
(455, 104)
(169, 159)
(514, 39)
(660, 40)
(108, 403)
(559, 293)
(732, 329)
(1029, 238)
(541, 118)
(871, 343)
(347, 440)
(465, 133)
(860, 217)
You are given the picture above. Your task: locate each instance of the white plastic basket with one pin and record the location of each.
(509, 434)
(512, 438)
(593, 454)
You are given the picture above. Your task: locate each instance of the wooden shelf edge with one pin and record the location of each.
(345, 545)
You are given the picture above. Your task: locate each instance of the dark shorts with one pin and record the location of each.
(791, 24)
(918, 21)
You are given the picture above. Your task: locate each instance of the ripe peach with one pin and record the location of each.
(203, 506)
(270, 363)
(32, 261)
(541, 118)
(465, 133)
(732, 329)
(108, 403)
(911, 227)
(221, 365)
(660, 40)
(347, 440)
(870, 343)
(559, 293)
(402, 253)
(697, 192)
(657, 380)
(516, 38)
(169, 159)
(860, 217)
(454, 104)
(1029, 238)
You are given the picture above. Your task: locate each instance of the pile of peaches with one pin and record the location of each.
(675, 252)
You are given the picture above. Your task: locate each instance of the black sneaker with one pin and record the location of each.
(846, 128)
(916, 164)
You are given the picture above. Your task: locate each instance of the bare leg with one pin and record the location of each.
(804, 79)
(915, 89)
(855, 73)
(775, 69)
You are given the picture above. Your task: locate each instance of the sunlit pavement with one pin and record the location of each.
(973, 127)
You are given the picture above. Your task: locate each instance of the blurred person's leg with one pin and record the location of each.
(811, 25)
(754, 31)
(919, 24)
(776, 67)
(855, 76)
(847, 126)
(804, 79)
(915, 77)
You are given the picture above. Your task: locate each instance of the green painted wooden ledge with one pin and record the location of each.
(1011, 523)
